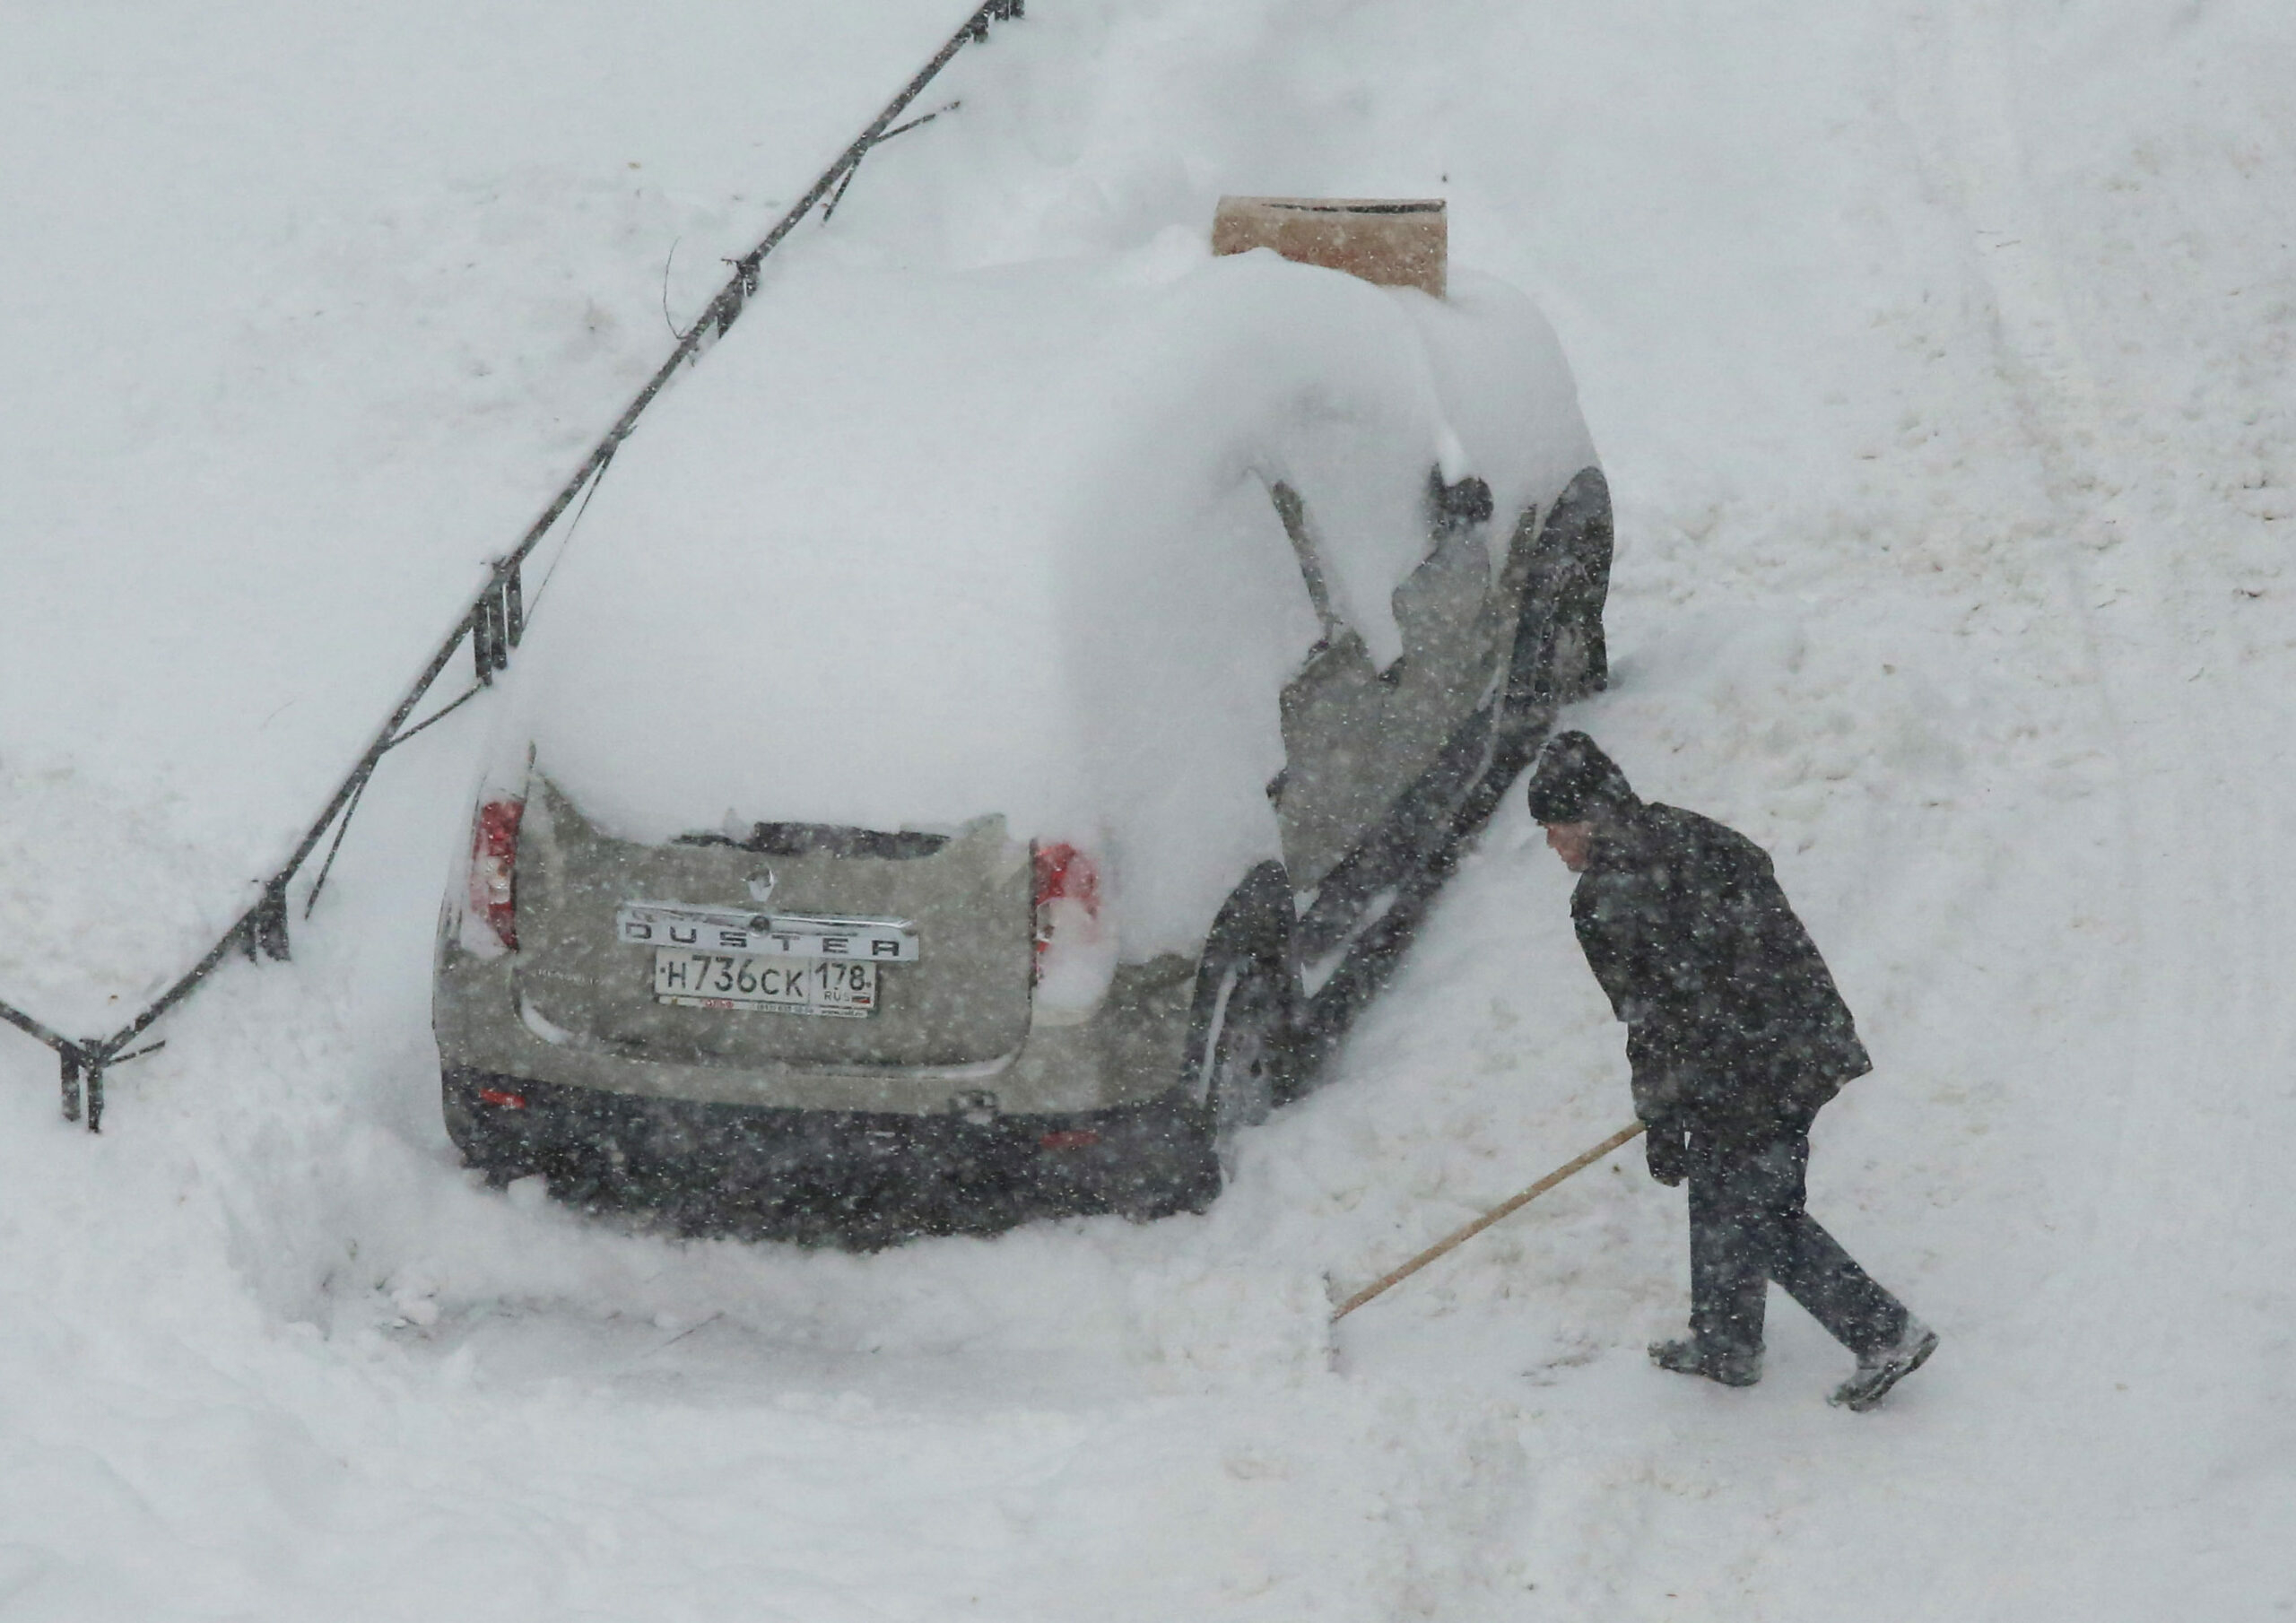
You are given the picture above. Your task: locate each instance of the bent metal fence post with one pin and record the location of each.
(492, 621)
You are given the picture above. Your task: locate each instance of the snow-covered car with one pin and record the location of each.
(994, 728)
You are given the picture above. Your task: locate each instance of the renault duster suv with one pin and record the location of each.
(994, 729)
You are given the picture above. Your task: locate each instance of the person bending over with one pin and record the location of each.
(1736, 1036)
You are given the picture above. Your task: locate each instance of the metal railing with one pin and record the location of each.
(492, 622)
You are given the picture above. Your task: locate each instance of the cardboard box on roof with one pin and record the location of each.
(1395, 242)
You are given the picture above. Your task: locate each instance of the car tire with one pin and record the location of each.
(1235, 1080)
(1560, 652)
(1579, 661)
(1238, 1078)
(1239, 1062)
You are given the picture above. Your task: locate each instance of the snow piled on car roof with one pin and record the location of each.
(911, 550)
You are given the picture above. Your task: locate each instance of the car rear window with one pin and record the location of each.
(824, 840)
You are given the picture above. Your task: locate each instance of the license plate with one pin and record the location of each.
(779, 986)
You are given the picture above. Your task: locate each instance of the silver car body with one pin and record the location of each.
(961, 1027)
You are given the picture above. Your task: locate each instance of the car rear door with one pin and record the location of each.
(586, 979)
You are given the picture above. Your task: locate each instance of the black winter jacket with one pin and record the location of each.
(1734, 1028)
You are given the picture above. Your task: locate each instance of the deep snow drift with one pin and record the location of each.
(1939, 354)
(915, 549)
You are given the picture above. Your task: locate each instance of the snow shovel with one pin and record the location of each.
(1460, 1237)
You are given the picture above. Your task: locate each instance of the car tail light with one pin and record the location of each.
(1075, 948)
(1065, 875)
(502, 1098)
(493, 867)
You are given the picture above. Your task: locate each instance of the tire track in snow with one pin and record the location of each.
(2155, 1220)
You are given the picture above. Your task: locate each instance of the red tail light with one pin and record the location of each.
(493, 868)
(1064, 874)
(1076, 944)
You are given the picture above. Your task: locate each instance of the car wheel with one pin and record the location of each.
(1185, 1150)
(1236, 1080)
(1579, 665)
(1560, 654)
(1239, 1062)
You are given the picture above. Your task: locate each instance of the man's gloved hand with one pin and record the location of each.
(1668, 1148)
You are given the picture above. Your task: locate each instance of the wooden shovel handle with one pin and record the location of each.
(1460, 1237)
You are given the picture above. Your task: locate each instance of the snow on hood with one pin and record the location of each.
(907, 550)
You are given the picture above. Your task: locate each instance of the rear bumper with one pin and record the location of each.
(831, 1171)
(1129, 1054)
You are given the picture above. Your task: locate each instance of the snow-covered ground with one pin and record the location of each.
(1940, 354)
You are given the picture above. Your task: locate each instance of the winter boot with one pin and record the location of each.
(1687, 1357)
(1880, 1370)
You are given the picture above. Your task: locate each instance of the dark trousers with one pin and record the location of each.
(1748, 1226)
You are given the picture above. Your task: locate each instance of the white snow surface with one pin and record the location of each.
(910, 550)
(1939, 352)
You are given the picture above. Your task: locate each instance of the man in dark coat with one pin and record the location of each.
(1736, 1036)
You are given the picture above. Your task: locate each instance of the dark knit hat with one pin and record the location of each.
(1575, 782)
